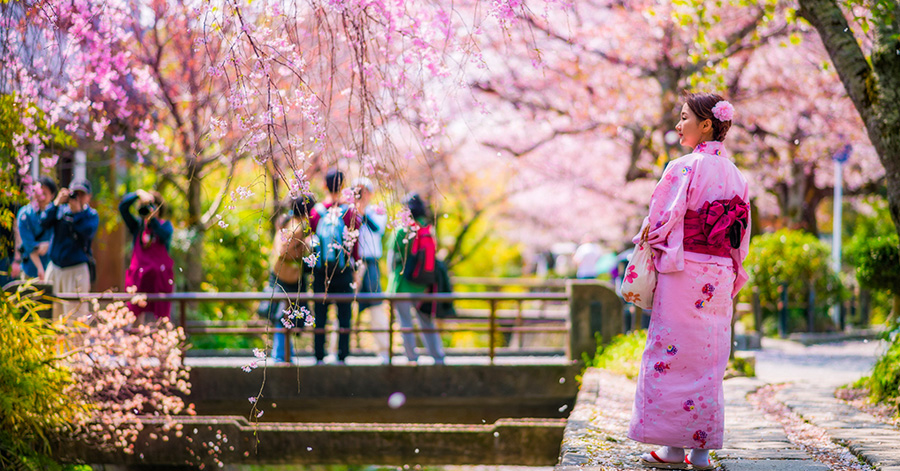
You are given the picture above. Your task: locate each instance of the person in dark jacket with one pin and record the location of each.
(150, 270)
(74, 224)
(34, 246)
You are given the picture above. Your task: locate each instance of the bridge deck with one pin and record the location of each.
(364, 360)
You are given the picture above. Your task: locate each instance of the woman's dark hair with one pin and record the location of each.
(701, 104)
(417, 208)
(334, 180)
(302, 206)
(49, 184)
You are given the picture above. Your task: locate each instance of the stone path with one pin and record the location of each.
(595, 436)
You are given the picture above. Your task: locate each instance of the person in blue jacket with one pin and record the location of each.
(35, 241)
(73, 224)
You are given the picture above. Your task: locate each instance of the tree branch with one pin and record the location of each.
(849, 60)
(206, 219)
(556, 133)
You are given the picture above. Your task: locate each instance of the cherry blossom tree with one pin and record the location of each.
(194, 87)
(582, 116)
(865, 51)
(793, 119)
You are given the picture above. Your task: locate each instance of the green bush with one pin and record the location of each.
(884, 383)
(864, 227)
(877, 261)
(234, 260)
(33, 399)
(622, 355)
(800, 260)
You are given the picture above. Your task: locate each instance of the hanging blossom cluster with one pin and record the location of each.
(271, 109)
(65, 60)
(125, 372)
(275, 93)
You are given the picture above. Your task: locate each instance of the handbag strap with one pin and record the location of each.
(645, 234)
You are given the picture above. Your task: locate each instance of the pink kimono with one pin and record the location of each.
(698, 213)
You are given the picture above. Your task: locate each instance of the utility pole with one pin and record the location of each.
(839, 158)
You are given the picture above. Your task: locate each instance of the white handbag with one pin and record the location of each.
(640, 276)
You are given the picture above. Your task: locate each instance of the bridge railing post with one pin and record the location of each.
(390, 319)
(182, 314)
(594, 307)
(493, 330)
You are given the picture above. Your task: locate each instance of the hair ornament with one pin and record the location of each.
(723, 111)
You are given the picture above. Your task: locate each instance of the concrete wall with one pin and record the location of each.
(446, 394)
(594, 307)
(452, 415)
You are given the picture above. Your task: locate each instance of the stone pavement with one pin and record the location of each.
(876, 443)
(595, 435)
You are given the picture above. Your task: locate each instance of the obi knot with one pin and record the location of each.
(717, 227)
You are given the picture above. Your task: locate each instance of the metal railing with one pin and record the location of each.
(492, 298)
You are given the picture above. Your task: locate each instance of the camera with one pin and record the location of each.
(146, 209)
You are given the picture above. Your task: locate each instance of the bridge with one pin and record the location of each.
(507, 403)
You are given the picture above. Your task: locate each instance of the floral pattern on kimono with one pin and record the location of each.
(679, 399)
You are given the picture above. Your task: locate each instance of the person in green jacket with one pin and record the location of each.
(398, 252)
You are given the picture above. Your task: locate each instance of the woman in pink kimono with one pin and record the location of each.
(697, 227)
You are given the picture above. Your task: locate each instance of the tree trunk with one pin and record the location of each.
(193, 271)
(873, 85)
(895, 311)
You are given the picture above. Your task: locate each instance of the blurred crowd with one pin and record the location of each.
(336, 245)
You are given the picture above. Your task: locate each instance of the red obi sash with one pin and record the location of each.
(717, 227)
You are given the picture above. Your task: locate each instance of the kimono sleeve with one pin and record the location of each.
(666, 216)
(740, 254)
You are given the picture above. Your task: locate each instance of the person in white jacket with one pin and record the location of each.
(371, 233)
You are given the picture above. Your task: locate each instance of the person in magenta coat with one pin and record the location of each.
(150, 270)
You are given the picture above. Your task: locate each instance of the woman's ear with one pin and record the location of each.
(706, 126)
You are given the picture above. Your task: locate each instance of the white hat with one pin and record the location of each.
(363, 181)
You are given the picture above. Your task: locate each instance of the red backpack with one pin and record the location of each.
(420, 261)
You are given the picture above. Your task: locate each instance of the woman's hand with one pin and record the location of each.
(62, 197)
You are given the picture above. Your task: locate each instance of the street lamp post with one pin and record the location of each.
(839, 158)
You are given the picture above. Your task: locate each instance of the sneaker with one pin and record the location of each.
(320, 362)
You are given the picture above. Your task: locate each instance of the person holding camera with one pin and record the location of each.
(74, 224)
(34, 246)
(150, 270)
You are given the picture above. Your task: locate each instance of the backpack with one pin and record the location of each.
(442, 284)
(329, 240)
(420, 259)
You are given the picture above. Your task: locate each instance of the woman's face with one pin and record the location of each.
(692, 131)
(43, 195)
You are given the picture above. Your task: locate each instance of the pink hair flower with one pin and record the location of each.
(723, 111)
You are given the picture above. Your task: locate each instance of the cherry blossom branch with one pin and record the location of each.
(536, 144)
